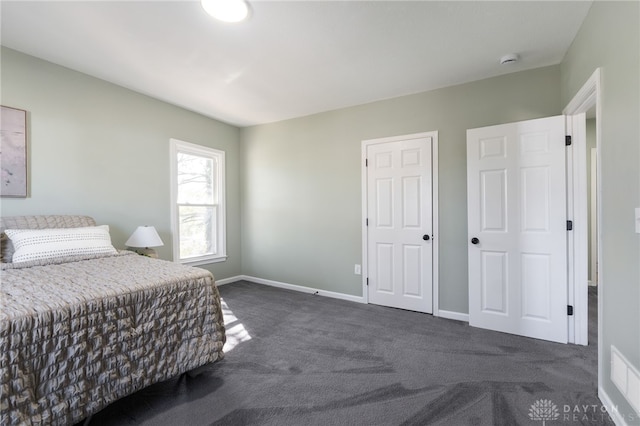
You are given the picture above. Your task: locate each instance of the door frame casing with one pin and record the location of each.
(593, 263)
(434, 206)
(589, 96)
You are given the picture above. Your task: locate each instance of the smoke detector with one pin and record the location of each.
(510, 58)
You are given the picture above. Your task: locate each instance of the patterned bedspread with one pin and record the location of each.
(79, 333)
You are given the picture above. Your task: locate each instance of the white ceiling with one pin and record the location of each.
(293, 58)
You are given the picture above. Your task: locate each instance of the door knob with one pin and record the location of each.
(426, 237)
(474, 240)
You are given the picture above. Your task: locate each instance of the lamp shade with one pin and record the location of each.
(145, 236)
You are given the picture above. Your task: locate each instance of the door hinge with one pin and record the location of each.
(567, 140)
(569, 225)
(367, 282)
(366, 221)
(569, 310)
(366, 162)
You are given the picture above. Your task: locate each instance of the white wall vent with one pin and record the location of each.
(626, 377)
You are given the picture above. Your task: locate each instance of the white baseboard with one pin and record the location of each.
(229, 280)
(453, 315)
(302, 289)
(617, 418)
(310, 290)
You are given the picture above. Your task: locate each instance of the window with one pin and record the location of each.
(198, 203)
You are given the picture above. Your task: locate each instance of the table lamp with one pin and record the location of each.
(143, 238)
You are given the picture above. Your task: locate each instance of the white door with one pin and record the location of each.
(517, 222)
(399, 231)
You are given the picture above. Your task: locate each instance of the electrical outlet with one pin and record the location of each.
(357, 270)
(638, 220)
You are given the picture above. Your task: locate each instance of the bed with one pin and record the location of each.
(79, 332)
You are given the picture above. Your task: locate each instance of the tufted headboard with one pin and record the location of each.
(36, 222)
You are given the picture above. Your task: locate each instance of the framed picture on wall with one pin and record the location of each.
(13, 152)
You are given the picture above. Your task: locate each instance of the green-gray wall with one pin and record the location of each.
(610, 38)
(301, 179)
(101, 150)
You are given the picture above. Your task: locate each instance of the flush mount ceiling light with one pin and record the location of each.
(227, 10)
(510, 58)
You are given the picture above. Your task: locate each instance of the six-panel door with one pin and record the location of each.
(400, 224)
(516, 200)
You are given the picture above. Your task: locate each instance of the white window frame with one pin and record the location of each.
(178, 146)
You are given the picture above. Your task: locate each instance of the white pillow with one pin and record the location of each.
(36, 244)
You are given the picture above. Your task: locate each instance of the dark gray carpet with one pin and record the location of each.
(312, 360)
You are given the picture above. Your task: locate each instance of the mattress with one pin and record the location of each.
(79, 333)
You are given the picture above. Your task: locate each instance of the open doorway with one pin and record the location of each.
(586, 105)
(592, 196)
(592, 218)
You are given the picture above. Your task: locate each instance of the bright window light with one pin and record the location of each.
(227, 10)
(236, 333)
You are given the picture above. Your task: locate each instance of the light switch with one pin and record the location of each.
(638, 220)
